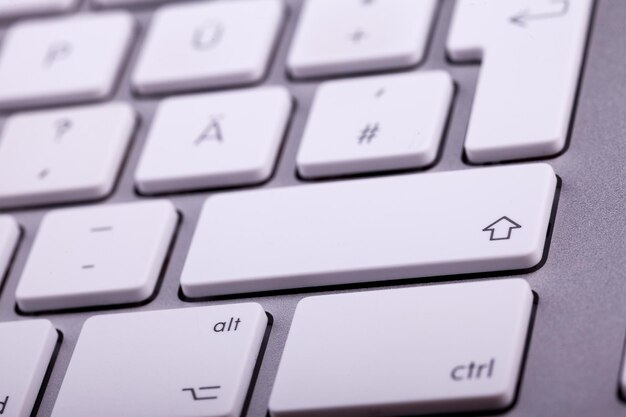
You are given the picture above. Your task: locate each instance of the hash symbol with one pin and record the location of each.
(368, 133)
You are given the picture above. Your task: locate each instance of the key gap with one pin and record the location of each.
(48, 374)
(622, 363)
(257, 366)
(11, 262)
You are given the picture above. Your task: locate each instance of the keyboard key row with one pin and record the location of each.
(58, 61)
(472, 221)
(224, 139)
(70, 63)
(199, 362)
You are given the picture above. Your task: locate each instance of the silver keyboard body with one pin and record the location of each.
(577, 341)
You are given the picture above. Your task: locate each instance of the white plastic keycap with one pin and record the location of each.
(9, 235)
(208, 44)
(377, 123)
(11, 8)
(193, 362)
(63, 60)
(409, 226)
(63, 155)
(115, 3)
(532, 52)
(214, 140)
(340, 37)
(96, 256)
(435, 349)
(26, 349)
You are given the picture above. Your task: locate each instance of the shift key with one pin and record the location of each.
(405, 226)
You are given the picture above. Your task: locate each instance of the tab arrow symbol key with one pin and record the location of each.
(501, 229)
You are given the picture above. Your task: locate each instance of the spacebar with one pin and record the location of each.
(409, 226)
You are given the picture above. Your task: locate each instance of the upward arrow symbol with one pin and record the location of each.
(501, 229)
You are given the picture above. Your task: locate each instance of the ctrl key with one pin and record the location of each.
(26, 348)
(424, 350)
(193, 362)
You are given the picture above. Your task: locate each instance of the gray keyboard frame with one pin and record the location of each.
(575, 352)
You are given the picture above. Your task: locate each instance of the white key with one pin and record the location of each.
(214, 140)
(340, 37)
(9, 235)
(25, 353)
(115, 3)
(409, 226)
(97, 256)
(11, 8)
(63, 60)
(63, 155)
(194, 362)
(532, 54)
(375, 124)
(436, 349)
(208, 44)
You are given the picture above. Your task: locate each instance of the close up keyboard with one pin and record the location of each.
(312, 208)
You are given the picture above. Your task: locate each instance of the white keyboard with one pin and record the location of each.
(250, 208)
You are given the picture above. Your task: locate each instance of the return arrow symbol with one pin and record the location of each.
(501, 229)
(525, 16)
